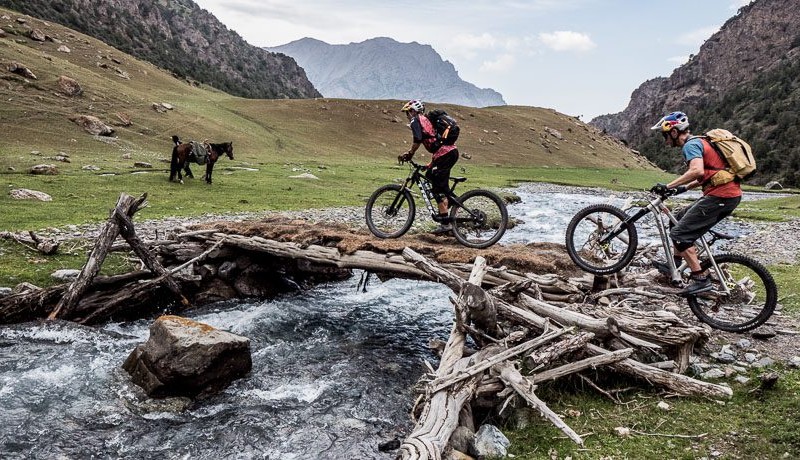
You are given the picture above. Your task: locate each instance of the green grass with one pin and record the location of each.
(754, 424)
(770, 209)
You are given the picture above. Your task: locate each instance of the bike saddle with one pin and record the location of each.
(458, 179)
(720, 235)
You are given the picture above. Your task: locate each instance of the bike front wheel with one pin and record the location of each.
(480, 220)
(390, 211)
(752, 298)
(590, 244)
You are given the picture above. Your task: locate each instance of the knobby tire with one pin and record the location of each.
(481, 219)
(585, 231)
(753, 297)
(387, 222)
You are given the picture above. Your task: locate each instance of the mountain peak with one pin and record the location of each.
(383, 68)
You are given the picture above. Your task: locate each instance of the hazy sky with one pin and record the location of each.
(579, 57)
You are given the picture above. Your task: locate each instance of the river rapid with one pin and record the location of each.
(333, 369)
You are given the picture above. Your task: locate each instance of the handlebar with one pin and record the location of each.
(414, 164)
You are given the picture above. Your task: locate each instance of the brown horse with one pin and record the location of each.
(182, 155)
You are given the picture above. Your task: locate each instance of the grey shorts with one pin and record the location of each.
(697, 219)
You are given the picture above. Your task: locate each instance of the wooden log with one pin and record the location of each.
(127, 205)
(525, 388)
(445, 381)
(577, 366)
(129, 233)
(440, 414)
(677, 383)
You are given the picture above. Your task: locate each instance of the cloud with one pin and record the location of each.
(564, 40)
(503, 63)
(468, 45)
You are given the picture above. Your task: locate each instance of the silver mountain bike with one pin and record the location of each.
(602, 239)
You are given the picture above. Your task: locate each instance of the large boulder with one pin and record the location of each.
(21, 69)
(69, 86)
(185, 358)
(92, 125)
(27, 194)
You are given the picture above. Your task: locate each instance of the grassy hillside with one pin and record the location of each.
(350, 145)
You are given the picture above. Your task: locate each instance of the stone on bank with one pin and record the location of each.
(183, 357)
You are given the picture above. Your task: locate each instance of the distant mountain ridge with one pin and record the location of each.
(383, 68)
(745, 78)
(179, 36)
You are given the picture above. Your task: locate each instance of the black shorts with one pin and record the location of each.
(439, 174)
(697, 219)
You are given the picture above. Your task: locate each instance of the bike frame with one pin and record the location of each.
(416, 177)
(656, 207)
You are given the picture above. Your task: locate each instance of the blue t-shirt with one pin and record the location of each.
(692, 149)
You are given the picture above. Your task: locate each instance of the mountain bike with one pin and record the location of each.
(478, 217)
(602, 239)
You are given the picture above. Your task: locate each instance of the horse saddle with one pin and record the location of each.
(199, 153)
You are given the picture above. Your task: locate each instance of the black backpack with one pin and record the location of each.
(446, 127)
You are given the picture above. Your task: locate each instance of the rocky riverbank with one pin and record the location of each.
(769, 242)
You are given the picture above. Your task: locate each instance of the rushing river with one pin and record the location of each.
(332, 371)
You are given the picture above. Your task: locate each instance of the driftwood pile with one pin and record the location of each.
(512, 331)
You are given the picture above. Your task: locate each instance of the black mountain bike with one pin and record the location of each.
(602, 239)
(478, 217)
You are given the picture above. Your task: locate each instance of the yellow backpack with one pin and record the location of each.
(735, 152)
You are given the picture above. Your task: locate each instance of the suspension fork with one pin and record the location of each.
(623, 225)
(657, 209)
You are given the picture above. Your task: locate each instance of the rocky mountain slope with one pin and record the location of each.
(179, 36)
(746, 78)
(382, 68)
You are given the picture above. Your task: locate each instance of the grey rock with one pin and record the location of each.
(724, 357)
(794, 361)
(750, 357)
(764, 333)
(26, 194)
(4, 291)
(742, 379)
(711, 374)
(65, 274)
(744, 344)
(185, 358)
(489, 442)
(728, 350)
(773, 185)
(69, 86)
(764, 362)
(44, 170)
(462, 438)
(92, 125)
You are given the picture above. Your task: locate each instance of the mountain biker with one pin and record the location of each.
(716, 203)
(442, 159)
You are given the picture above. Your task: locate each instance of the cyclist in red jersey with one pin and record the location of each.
(443, 157)
(717, 202)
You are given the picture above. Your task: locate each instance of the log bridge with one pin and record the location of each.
(527, 328)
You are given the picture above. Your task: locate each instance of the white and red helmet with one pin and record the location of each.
(415, 105)
(677, 120)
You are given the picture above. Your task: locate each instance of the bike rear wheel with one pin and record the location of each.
(752, 299)
(390, 211)
(480, 220)
(586, 231)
